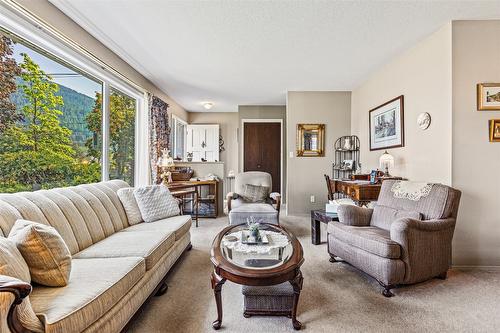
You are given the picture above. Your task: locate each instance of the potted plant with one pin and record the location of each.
(253, 228)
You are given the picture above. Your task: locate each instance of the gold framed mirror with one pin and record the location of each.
(311, 140)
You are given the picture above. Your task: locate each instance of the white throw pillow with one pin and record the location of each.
(155, 202)
(129, 203)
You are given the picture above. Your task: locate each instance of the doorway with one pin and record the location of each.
(262, 148)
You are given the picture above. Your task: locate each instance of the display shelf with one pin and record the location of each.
(346, 149)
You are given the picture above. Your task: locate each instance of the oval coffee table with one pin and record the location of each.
(257, 265)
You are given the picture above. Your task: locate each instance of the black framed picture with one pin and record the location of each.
(387, 125)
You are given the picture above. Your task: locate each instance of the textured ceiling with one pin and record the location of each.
(252, 52)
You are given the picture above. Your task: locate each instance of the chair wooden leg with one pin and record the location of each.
(332, 258)
(387, 291)
(162, 290)
(443, 275)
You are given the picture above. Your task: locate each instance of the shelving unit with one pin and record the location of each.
(346, 149)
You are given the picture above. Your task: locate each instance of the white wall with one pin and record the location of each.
(476, 161)
(439, 76)
(423, 76)
(228, 122)
(305, 174)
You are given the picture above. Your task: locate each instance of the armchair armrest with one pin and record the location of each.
(276, 197)
(229, 197)
(425, 246)
(12, 293)
(354, 215)
(405, 225)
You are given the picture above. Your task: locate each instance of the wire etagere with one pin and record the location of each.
(346, 161)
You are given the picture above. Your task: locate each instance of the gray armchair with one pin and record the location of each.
(239, 209)
(406, 238)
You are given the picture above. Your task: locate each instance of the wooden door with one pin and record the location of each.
(262, 150)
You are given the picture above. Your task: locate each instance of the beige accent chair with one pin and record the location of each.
(116, 266)
(239, 210)
(401, 240)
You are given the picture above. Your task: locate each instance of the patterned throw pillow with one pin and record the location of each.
(129, 203)
(255, 193)
(45, 252)
(13, 264)
(155, 202)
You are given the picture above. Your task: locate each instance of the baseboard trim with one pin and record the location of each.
(469, 267)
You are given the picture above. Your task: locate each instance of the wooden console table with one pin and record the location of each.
(213, 191)
(181, 191)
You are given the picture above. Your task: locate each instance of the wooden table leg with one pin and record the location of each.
(217, 283)
(297, 287)
(197, 198)
(315, 230)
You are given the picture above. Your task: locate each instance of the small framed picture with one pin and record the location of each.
(488, 96)
(387, 125)
(495, 130)
(348, 164)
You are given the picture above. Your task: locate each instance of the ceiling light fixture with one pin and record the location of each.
(208, 105)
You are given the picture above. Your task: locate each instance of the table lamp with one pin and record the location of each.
(166, 163)
(386, 161)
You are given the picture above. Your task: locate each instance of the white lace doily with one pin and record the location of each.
(411, 190)
(276, 240)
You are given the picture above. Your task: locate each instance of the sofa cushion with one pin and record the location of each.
(242, 206)
(13, 264)
(96, 285)
(129, 203)
(371, 239)
(383, 216)
(45, 252)
(155, 202)
(179, 225)
(150, 245)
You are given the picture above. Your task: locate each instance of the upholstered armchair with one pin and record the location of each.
(240, 208)
(406, 238)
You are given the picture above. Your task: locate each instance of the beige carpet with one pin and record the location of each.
(335, 297)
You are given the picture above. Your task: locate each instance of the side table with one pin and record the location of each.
(317, 217)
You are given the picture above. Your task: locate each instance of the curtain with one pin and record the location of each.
(159, 132)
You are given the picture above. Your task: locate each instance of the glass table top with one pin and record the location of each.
(240, 248)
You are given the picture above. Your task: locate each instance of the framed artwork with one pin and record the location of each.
(495, 130)
(387, 125)
(311, 140)
(488, 96)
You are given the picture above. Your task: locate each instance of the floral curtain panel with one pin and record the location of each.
(159, 131)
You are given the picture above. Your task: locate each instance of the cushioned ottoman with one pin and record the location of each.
(262, 212)
(274, 300)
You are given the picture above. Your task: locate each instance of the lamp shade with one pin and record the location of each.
(386, 161)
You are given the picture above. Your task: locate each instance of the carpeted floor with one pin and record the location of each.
(335, 297)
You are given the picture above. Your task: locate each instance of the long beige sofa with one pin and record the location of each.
(115, 266)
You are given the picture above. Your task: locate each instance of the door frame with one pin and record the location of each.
(242, 144)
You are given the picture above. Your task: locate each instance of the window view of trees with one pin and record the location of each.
(51, 124)
(121, 134)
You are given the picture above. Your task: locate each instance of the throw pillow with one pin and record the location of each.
(255, 193)
(155, 202)
(13, 264)
(129, 203)
(45, 252)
